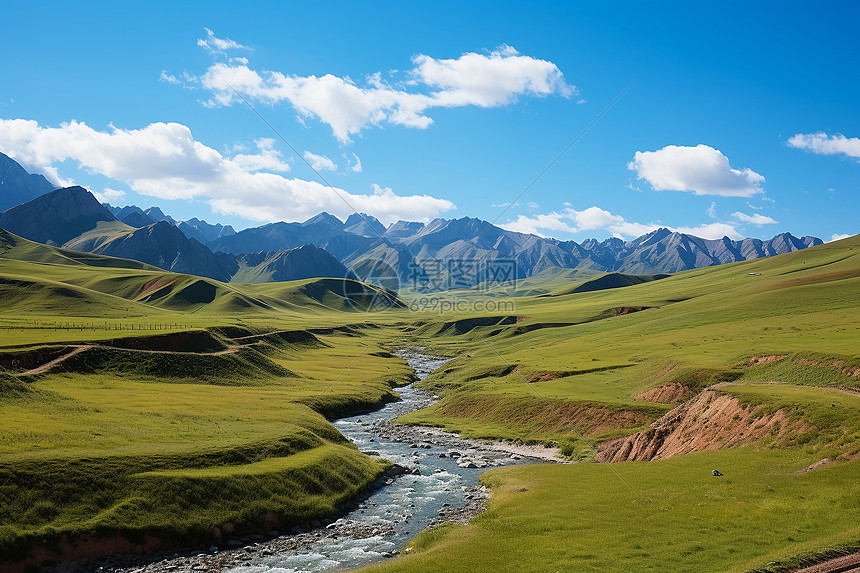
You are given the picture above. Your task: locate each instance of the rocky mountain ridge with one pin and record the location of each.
(444, 253)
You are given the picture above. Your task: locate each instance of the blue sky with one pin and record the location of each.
(742, 118)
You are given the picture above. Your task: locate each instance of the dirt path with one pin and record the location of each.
(838, 565)
(48, 365)
(78, 348)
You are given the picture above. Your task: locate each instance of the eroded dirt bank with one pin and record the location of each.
(711, 420)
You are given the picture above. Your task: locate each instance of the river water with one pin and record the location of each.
(443, 486)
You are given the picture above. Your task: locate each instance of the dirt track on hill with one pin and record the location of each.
(78, 348)
(838, 565)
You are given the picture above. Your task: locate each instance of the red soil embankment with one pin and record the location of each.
(710, 420)
(667, 394)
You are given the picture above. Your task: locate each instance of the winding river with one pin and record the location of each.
(442, 486)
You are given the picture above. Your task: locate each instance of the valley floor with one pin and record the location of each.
(750, 369)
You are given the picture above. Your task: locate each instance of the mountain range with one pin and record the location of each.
(444, 253)
(17, 186)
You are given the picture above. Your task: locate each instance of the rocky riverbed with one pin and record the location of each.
(434, 480)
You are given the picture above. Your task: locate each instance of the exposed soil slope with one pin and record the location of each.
(710, 420)
(667, 394)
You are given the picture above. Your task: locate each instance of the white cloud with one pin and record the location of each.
(169, 78)
(597, 218)
(108, 195)
(214, 44)
(712, 210)
(356, 167)
(824, 144)
(164, 160)
(484, 80)
(711, 231)
(538, 224)
(489, 80)
(569, 220)
(268, 158)
(701, 169)
(837, 237)
(319, 162)
(754, 219)
(185, 79)
(631, 186)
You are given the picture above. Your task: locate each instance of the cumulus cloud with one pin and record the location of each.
(108, 195)
(570, 220)
(268, 158)
(702, 170)
(540, 224)
(493, 79)
(319, 162)
(754, 219)
(711, 231)
(824, 144)
(489, 80)
(215, 44)
(164, 160)
(837, 237)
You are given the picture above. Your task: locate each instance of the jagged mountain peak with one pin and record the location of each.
(324, 218)
(57, 216)
(364, 225)
(72, 216)
(17, 185)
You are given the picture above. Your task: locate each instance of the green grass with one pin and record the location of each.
(706, 323)
(141, 454)
(703, 328)
(170, 443)
(833, 416)
(159, 495)
(138, 438)
(670, 515)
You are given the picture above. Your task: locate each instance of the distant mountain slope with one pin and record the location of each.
(303, 262)
(193, 228)
(56, 217)
(441, 254)
(664, 251)
(131, 215)
(204, 232)
(20, 249)
(73, 218)
(364, 225)
(276, 236)
(419, 251)
(106, 287)
(614, 280)
(17, 186)
(157, 214)
(160, 244)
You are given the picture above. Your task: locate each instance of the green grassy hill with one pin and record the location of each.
(144, 391)
(775, 342)
(149, 403)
